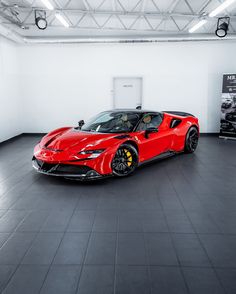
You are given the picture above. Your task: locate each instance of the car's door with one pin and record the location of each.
(156, 142)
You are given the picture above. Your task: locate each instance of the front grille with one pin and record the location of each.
(73, 169)
(62, 168)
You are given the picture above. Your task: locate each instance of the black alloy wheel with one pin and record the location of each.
(191, 140)
(125, 160)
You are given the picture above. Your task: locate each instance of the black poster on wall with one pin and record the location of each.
(228, 107)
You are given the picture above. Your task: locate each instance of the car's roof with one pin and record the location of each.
(132, 110)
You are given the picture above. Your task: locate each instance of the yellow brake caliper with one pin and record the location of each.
(129, 157)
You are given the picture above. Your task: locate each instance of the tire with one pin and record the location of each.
(125, 160)
(191, 140)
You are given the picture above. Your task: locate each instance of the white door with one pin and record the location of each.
(127, 92)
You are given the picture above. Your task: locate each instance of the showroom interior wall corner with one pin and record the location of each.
(10, 105)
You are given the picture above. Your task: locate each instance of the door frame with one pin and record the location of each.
(126, 77)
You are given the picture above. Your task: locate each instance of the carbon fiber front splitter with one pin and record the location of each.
(88, 176)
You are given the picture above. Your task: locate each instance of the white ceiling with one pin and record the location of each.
(111, 18)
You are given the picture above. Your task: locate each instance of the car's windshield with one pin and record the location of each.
(112, 122)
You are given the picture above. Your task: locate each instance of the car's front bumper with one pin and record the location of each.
(77, 172)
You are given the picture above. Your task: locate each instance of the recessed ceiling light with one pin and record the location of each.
(221, 8)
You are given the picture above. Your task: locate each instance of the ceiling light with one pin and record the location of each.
(47, 4)
(222, 7)
(222, 27)
(41, 23)
(40, 19)
(197, 26)
(62, 20)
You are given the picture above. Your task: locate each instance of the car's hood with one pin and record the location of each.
(72, 139)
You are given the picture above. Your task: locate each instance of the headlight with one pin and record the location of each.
(92, 153)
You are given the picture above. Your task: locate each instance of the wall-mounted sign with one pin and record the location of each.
(228, 107)
(229, 84)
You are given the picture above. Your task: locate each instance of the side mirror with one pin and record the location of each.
(81, 123)
(150, 131)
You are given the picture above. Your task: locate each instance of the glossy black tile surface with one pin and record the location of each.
(169, 228)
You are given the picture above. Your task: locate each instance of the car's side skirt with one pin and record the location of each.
(159, 157)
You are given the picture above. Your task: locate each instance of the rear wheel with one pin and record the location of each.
(191, 140)
(125, 160)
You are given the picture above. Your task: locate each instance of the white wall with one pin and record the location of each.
(9, 90)
(43, 87)
(61, 84)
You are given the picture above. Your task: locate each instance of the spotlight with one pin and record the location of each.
(40, 19)
(222, 27)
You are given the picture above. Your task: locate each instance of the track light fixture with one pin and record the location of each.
(222, 27)
(40, 19)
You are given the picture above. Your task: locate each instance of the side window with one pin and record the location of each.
(149, 121)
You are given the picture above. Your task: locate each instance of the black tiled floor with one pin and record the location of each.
(202, 280)
(96, 279)
(101, 249)
(72, 249)
(169, 228)
(132, 280)
(61, 280)
(27, 279)
(167, 280)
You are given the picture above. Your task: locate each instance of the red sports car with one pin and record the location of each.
(115, 142)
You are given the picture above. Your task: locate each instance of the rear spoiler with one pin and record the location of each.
(180, 113)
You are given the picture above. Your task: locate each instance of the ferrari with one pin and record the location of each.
(115, 143)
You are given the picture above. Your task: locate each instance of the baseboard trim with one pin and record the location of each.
(10, 140)
(209, 134)
(33, 134)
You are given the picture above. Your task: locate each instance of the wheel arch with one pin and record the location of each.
(134, 144)
(193, 126)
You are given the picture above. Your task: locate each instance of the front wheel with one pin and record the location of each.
(125, 160)
(191, 140)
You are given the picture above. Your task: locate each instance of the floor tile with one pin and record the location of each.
(189, 250)
(3, 238)
(202, 280)
(167, 280)
(178, 222)
(11, 220)
(105, 221)
(27, 280)
(81, 221)
(61, 280)
(131, 249)
(101, 249)
(96, 280)
(132, 280)
(72, 249)
(228, 279)
(43, 249)
(33, 222)
(160, 249)
(6, 271)
(220, 249)
(57, 221)
(15, 248)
